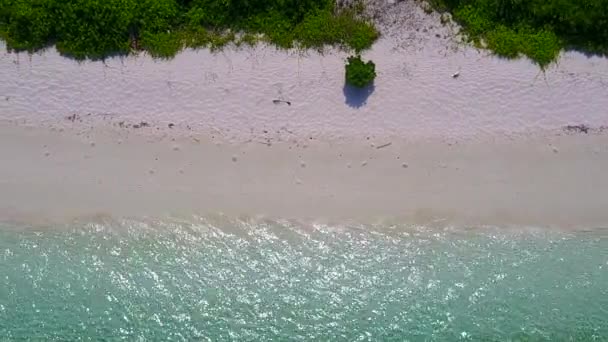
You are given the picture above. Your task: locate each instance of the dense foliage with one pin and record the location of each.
(98, 28)
(358, 73)
(538, 29)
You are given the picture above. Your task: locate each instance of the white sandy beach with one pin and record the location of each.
(200, 133)
(558, 181)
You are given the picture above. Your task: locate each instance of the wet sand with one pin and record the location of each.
(554, 181)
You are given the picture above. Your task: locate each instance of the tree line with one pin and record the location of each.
(98, 28)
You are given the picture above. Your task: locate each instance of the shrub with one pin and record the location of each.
(26, 25)
(538, 29)
(345, 30)
(359, 73)
(93, 29)
(98, 28)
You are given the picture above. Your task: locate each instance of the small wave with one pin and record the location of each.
(219, 278)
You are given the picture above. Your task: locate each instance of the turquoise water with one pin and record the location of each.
(256, 280)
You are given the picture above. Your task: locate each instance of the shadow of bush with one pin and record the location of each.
(357, 97)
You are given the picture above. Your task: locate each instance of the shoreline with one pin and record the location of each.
(548, 182)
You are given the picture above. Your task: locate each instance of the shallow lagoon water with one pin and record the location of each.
(220, 279)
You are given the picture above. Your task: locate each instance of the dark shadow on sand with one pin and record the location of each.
(357, 97)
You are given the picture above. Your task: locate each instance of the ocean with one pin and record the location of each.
(255, 279)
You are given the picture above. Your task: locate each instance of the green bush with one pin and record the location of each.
(27, 25)
(98, 28)
(538, 29)
(93, 28)
(358, 73)
(344, 30)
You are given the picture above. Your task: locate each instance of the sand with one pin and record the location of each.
(558, 181)
(231, 93)
(201, 133)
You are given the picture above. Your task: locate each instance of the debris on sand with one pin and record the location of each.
(577, 128)
(141, 125)
(72, 117)
(281, 101)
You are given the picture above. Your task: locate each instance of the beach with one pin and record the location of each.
(552, 181)
(230, 94)
(248, 194)
(269, 132)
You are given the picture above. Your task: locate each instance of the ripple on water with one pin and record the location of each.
(260, 280)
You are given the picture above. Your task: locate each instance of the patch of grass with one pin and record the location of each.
(162, 44)
(99, 28)
(247, 39)
(538, 29)
(219, 40)
(358, 73)
(3, 33)
(541, 46)
(344, 30)
(476, 21)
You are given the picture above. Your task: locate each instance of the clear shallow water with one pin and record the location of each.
(212, 279)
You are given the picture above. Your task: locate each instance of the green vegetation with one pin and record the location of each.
(358, 73)
(99, 28)
(538, 29)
